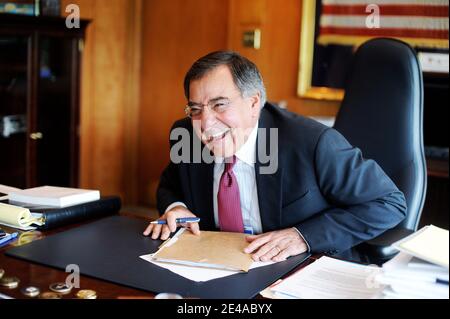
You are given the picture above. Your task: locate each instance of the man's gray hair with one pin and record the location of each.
(245, 74)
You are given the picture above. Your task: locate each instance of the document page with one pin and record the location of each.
(329, 278)
(200, 274)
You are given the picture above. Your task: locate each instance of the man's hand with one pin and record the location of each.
(171, 226)
(276, 245)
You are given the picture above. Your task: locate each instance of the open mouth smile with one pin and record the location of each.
(217, 137)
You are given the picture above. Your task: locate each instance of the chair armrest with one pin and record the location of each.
(378, 250)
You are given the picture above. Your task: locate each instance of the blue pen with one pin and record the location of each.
(178, 220)
(8, 238)
(441, 281)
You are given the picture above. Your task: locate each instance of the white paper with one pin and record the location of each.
(4, 189)
(18, 227)
(418, 289)
(54, 196)
(406, 267)
(329, 278)
(199, 274)
(430, 243)
(407, 277)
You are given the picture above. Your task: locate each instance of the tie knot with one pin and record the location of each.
(229, 163)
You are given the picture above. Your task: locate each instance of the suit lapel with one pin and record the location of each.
(269, 185)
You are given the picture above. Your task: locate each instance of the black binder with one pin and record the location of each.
(61, 216)
(109, 249)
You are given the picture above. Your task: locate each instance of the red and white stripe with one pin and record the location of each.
(413, 19)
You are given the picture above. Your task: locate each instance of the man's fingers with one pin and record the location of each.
(251, 238)
(165, 232)
(156, 231)
(195, 228)
(148, 230)
(256, 243)
(171, 222)
(263, 250)
(274, 251)
(283, 255)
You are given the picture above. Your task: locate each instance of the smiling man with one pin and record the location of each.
(323, 196)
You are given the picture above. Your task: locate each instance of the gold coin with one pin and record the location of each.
(2, 272)
(61, 287)
(50, 295)
(87, 294)
(30, 291)
(9, 282)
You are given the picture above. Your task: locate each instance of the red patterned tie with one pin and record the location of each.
(229, 201)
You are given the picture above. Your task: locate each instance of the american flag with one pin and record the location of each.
(418, 22)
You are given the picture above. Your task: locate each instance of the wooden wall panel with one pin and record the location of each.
(175, 33)
(108, 103)
(278, 56)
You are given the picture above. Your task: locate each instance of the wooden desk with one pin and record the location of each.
(31, 274)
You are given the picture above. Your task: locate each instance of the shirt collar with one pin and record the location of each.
(247, 152)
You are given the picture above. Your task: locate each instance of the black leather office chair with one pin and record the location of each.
(382, 114)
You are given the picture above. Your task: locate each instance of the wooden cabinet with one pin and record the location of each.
(39, 100)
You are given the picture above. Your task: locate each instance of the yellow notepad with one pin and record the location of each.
(220, 250)
(19, 217)
(430, 243)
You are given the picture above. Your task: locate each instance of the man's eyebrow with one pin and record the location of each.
(191, 103)
(218, 98)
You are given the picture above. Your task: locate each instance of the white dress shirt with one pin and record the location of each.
(244, 170)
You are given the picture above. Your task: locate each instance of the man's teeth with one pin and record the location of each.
(219, 134)
(211, 137)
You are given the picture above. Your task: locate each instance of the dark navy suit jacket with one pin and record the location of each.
(323, 186)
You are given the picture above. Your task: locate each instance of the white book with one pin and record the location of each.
(52, 196)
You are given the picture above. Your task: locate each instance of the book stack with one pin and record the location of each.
(48, 207)
(420, 269)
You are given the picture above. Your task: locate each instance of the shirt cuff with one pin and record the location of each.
(173, 205)
(307, 245)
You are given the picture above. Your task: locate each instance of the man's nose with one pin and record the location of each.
(208, 117)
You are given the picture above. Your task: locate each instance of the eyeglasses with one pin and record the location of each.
(217, 105)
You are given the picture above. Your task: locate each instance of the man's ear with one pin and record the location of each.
(256, 103)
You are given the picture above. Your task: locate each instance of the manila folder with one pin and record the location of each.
(222, 250)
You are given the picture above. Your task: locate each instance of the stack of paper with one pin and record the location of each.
(420, 270)
(53, 196)
(328, 278)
